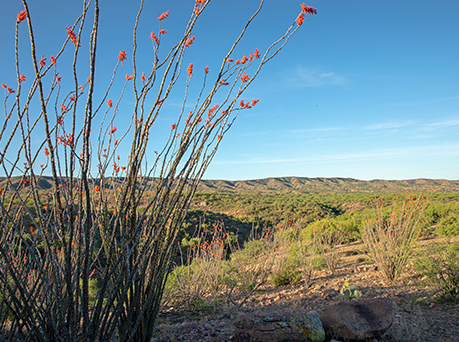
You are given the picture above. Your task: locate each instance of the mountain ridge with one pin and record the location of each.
(301, 185)
(333, 184)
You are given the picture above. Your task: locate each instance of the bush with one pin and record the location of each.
(439, 266)
(449, 225)
(286, 274)
(389, 235)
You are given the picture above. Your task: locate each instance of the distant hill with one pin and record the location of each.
(328, 185)
(308, 185)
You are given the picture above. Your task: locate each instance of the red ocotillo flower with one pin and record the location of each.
(245, 78)
(190, 70)
(189, 41)
(163, 16)
(153, 37)
(122, 56)
(72, 36)
(300, 19)
(21, 16)
(308, 9)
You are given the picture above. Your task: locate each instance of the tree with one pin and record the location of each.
(87, 227)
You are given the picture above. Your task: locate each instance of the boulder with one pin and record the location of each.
(358, 320)
(273, 326)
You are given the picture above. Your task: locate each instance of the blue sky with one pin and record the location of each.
(366, 89)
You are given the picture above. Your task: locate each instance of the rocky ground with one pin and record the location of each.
(418, 317)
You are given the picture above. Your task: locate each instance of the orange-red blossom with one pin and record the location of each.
(72, 36)
(21, 16)
(163, 16)
(245, 78)
(189, 41)
(308, 9)
(153, 37)
(122, 56)
(190, 70)
(300, 19)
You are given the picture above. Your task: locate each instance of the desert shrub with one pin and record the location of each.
(308, 259)
(449, 225)
(439, 267)
(285, 274)
(389, 235)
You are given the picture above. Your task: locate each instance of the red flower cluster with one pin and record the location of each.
(305, 10)
(8, 88)
(308, 9)
(245, 78)
(206, 69)
(72, 36)
(21, 16)
(122, 56)
(42, 61)
(223, 82)
(129, 77)
(190, 70)
(189, 41)
(53, 60)
(163, 16)
(197, 9)
(247, 105)
(22, 78)
(110, 103)
(300, 19)
(153, 37)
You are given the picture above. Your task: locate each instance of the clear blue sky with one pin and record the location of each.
(366, 89)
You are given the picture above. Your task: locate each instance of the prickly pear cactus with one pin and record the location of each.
(349, 292)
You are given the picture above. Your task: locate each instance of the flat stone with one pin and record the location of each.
(273, 326)
(358, 320)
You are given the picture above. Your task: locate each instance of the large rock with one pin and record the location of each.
(272, 326)
(358, 320)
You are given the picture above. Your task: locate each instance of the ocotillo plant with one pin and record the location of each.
(87, 226)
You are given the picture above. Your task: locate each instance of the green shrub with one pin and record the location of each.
(287, 274)
(439, 266)
(449, 225)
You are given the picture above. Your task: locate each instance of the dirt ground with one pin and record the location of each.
(418, 317)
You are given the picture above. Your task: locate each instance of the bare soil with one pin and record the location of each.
(418, 316)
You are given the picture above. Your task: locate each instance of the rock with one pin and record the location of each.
(270, 326)
(313, 313)
(358, 320)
